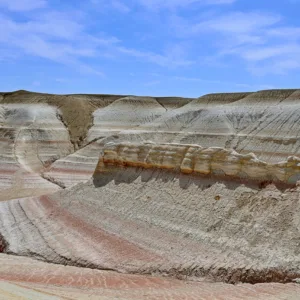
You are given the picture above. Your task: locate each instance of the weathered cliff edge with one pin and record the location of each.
(195, 159)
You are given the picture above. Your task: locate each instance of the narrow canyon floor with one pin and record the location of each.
(128, 197)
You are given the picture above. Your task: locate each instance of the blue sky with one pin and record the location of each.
(149, 47)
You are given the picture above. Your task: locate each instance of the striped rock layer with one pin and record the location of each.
(185, 188)
(198, 160)
(156, 221)
(23, 278)
(263, 123)
(32, 137)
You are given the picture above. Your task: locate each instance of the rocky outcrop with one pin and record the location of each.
(194, 159)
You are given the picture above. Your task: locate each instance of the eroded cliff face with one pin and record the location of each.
(188, 188)
(194, 159)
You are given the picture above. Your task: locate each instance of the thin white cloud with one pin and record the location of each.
(280, 66)
(196, 79)
(22, 5)
(171, 4)
(262, 53)
(240, 22)
(292, 33)
(120, 6)
(224, 82)
(117, 5)
(260, 39)
(273, 50)
(164, 60)
(63, 37)
(234, 23)
(55, 36)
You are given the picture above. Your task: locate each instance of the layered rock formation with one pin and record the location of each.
(193, 159)
(186, 188)
(264, 123)
(28, 279)
(122, 114)
(147, 221)
(32, 138)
